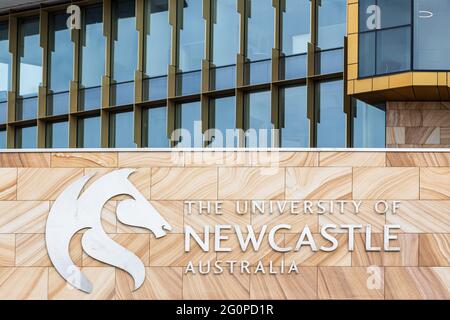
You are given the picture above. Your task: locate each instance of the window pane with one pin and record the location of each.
(258, 119)
(225, 32)
(3, 112)
(189, 123)
(223, 118)
(260, 38)
(89, 132)
(330, 61)
(5, 63)
(26, 138)
(122, 133)
(331, 21)
(431, 42)
(393, 50)
(295, 132)
(30, 66)
(392, 13)
(331, 119)
(93, 48)
(158, 37)
(155, 128)
(60, 53)
(369, 126)
(125, 40)
(57, 135)
(366, 54)
(296, 27)
(2, 139)
(192, 36)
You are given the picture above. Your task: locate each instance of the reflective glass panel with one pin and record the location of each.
(331, 24)
(188, 118)
(191, 36)
(295, 129)
(2, 139)
(331, 119)
(5, 64)
(30, 66)
(26, 137)
(393, 50)
(369, 126)
(125, 41)
(225, 32)
(260, 29)
(296, 26)
(158, 37)
(155, 128)
(222, 118)
(92, 49)
(89, 132)
(121, 130)
(57, 135)
(258, 122)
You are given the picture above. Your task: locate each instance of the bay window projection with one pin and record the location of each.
(191, 46)
(29, 68)
(296, 34)
(260, 40)
(124, 52)
(225, 43)
(92, 58)
(157, 49)
(60, 64)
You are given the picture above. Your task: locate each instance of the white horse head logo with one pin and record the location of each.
(73, 212)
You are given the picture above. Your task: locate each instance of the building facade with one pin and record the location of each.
(137, 70)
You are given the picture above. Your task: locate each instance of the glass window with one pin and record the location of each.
(366, 54)
(258, 122)
(3, 139)
(225, 32)
(89, 132)
(154, 131)
(26, 137)
(222, 115)
(57, 135)
(188, 123)
(191, 36)
(260, 29)
(125, 40)
(158, 38)
(121, 130)
(431, 41)
(330, 117)
(392, 14)
(331, 24)
(60, 59)
(296, 27)
(30, 67)
(5, 67)
(369, 125)
(393, 50)
(92, 58)
(295, 128)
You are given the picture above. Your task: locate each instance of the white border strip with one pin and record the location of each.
(106, 150)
